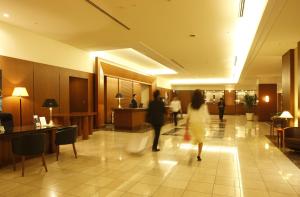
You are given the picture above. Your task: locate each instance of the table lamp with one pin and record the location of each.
(119, 96)
(50, 103)
(287, 115)
(20, 92)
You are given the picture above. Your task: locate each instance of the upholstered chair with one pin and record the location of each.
(66, 135)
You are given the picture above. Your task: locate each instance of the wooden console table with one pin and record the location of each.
(84, 120)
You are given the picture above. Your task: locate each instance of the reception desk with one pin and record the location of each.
(129, 118)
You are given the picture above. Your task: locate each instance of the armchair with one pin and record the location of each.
(66, 135)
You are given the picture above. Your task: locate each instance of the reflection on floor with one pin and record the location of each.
(110, 127)
(216, 129)
(241, 163)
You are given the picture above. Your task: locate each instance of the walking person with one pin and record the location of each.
(197, 120)
(221, 106)
(176, 108)
(156, 117)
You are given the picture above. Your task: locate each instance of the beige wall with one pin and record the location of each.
(163, 83)
(22, 44)
(145, 95)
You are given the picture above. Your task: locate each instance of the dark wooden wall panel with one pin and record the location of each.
(266, 110)
(78, 91)
(41, 81)
(111, 87)
(288, 99)
(185, 97)
(298, 67)
(64, 88)
(229, 97)
(114, 71)
(17, 72)
(46, 83)
(230, 107)
(125, 88)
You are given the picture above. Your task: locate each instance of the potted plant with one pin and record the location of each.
(250, 101)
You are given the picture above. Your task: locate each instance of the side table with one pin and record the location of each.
(280, 137)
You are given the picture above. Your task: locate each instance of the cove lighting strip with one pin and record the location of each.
(245, 31)
(151, 66)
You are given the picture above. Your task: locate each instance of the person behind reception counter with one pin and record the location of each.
(133, 103)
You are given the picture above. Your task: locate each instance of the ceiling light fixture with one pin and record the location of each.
(6, 15)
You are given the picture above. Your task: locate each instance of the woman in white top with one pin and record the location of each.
(197, 120)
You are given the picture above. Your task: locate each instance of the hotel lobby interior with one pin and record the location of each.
(69, 70)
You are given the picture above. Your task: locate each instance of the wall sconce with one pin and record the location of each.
(267, 99)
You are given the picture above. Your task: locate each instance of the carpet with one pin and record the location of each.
(294, 156)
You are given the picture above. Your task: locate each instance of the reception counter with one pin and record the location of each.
(129, 118)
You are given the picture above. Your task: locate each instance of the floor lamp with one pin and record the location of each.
(20, 92)
(50, 103)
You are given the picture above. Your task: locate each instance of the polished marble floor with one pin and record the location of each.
(240, 162)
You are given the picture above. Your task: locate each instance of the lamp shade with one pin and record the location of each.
(20, 91)
(286, 114)
(50, 103)
(119, 95)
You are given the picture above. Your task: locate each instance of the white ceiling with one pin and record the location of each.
(161, 30)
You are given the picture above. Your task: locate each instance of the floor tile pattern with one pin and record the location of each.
(243, 163)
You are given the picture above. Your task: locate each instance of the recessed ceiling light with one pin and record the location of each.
(6, 15)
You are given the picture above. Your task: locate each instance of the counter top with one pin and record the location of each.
(75, 114)
(129, 109)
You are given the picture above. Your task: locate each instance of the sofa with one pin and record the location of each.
(292, 138)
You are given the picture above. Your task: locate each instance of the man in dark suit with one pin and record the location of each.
(156, 117)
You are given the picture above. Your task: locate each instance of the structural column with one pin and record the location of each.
(288, 81)
(267, 103)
